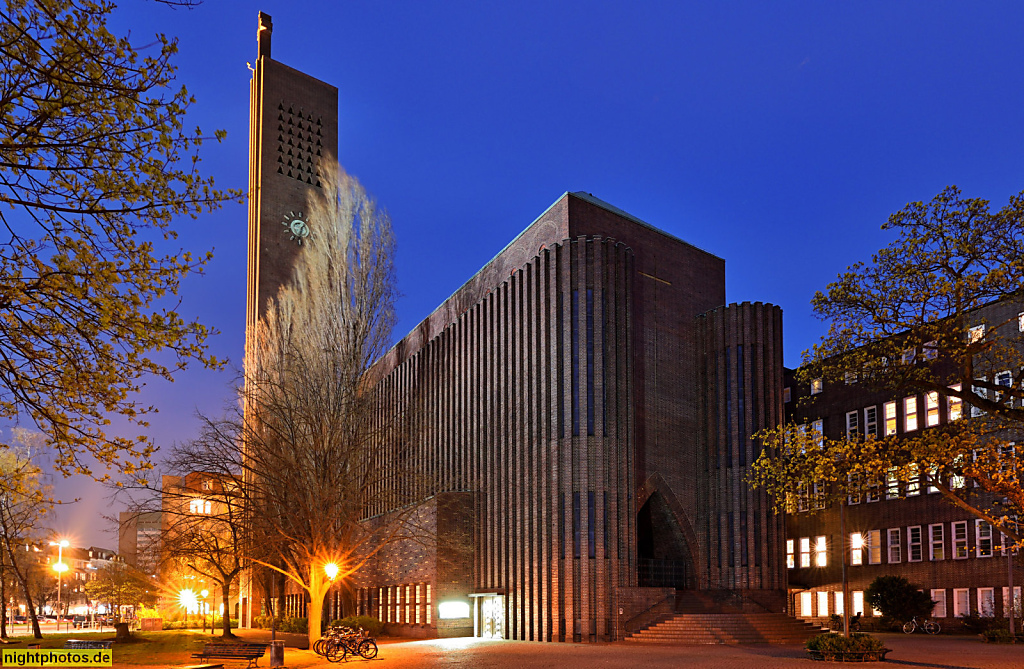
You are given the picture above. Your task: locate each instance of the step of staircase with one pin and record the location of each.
(726, 628)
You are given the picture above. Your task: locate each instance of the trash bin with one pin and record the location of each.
(277, 653)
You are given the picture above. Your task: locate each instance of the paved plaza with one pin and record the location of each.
(919, 651)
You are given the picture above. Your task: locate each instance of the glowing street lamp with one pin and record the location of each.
(331, 570)
(60, 568)
(187, 599)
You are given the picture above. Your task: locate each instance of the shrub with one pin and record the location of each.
(898, 598)
(372, 626)
(837, 643)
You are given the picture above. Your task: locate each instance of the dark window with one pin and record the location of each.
(575, 356)
(741, 414)
(604, 524)
(728, 410)
(590, 362)
(561, 525)
(731, 541)
(757, 539)
(744, 559)
(576, 524)
(591, 525)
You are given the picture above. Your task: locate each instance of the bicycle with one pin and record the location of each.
(929, 626)
(836, 623)
(341, 642)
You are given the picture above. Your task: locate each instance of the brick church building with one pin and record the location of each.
(590, 397)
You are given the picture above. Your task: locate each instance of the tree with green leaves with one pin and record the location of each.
(898, 599)
(96, 164)
(929, 315)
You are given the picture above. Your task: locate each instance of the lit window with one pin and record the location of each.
(913, 481)
(873, 544)
(954, 404)
(980, 391)
(806, 601)
(892, 484)
(856, 549)
(816, 386)
(852, 424)
(895, 545)
(983, 537)
(975, 334)
(909, 414)
(820, 552)
(915, 546)
(822, 603)
(790, 556)
(939, 597)
(960, 540)
(936, 542)
(1003, 379)
(199, 505)
(805, 552)
(839, 603)
(858, 602)
(890, 418)
(931, 406)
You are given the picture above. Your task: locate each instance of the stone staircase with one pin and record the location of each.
(712, 618)
(732, 628)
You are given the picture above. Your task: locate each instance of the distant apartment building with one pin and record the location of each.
(139, 536)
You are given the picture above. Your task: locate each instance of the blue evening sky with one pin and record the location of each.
(776, 135)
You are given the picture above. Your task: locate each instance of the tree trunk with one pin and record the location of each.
(23, 579)
(3, 596)
(225, 622)
(318, 587)
(122, 632)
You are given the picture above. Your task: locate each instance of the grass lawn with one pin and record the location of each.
(167, 648)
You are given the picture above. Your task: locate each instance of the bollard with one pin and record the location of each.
(277, 653)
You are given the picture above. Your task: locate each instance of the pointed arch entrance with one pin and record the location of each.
(666, 544)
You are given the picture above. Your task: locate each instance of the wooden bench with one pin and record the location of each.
(234, 651)
(81, 644)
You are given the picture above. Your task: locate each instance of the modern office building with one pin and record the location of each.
(584, 410)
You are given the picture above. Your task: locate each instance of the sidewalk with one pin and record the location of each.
(919, 651)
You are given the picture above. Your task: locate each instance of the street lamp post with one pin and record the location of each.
(60, 568)
(202, 605)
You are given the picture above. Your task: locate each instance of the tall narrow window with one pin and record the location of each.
(818, 433)
(895, 545)
(591, 526)
(741, 414)
(982, 392)
(744, 545)
(909, 414)
(983, 537)
(1020, 322)
(822, 603)
(915, 546)
(574, 355)
(954, 405)
(854, 488)
(728, 408)
(892, 484)
(913, 480)
(816, 386)
(561, 525)
(960, 540)
(939, 597)
(936, 542)
(872, 494)
(976, 334)
(890, 418)
(591, 401)
(874, 546)
(858, 602)
(576, 538)
(790, 554)
(931, 405)
(805, 552)
(871, 421)
(852, 424)
(820, 552)
(986, 602)
(961, 602)
(1003, 379)
(1006, 600)
(856, 549)
(732, 541)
